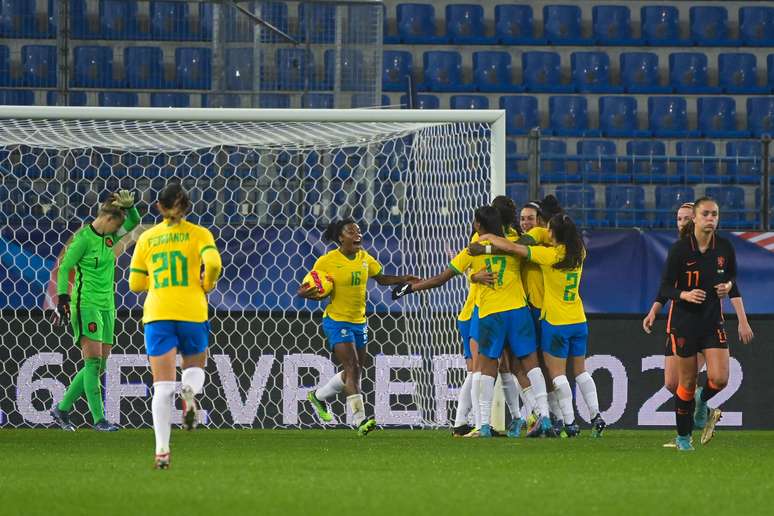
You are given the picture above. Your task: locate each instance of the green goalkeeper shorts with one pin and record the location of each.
(93, 324)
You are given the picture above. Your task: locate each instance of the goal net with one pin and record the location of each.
(266, 182)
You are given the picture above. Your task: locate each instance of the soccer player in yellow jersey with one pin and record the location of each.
(167, 263)
(344, 320)
(503, 316)
(564, 331)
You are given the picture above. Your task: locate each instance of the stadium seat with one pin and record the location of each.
(274, 100)
(756, 26)
(640, 73)
(668, 201)
(612, 25)
(194, 68)
(568, 116)
(688, 73)
(5, 66)
(738, 73)
(202, 31)
(541, 72)
(709, 27)
(465, 25)
(562, 25)
(17, 19)
(514, 25)
(388, 37)
(625, 206)
(117, 99)
(597, 162)
(93, 67)
(80, 28)
(492, 72)
(170, 100)
(661, 26)
(237, 26)
(397, 65)
(517, 191)
(367, 100)
(696, 162)
(422, 101)
(647, 161)
(351, 70)
(144, 68)
(118, 19)
(760, 116)
(169, 21)
(294, 66)
(275, 13)
(743, 161)
(76, 98)
(468, 102)
(730, 200)
(618, 118)
(521, 113)
(317, 101)
(38, 66)
(416, 24)
(668, 117)
(717, 118)
(770, 68)
(17, 97)
(225, 100)
(591, 73)
(239, 69)
(515, 166)
(317, 22)
(553, 163)
(578, 202)
(443, 72)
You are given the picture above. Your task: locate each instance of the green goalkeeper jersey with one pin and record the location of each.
(94, 260)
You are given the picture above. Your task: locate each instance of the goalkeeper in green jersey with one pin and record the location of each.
(91, 307)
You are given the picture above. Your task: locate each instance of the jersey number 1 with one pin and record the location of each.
(178, 269)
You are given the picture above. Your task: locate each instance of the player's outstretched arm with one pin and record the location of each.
(419, 284)
(387, 279)
(502, 244)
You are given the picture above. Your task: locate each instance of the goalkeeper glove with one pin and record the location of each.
(401, 290)
(124, 199)
(62, 313)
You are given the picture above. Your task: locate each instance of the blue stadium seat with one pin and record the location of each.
(519, 192)
(274, 100)
(397, 65)
(443, 72)
(541, 72)
(562, 25)
(515, 25)
(756, 26)
(730, 200)
(770, 67)
(515, 166)
(194, 68)
(318, 25)
(553, 163)
(492, 72)
(5, 66)
(668, 201)
(76, 98)
(351, 66)
(17, 97)
(239, 68)
(423, 101)
(79, 26)
(38, 66)
(743, 161)
(388, 37)
(238, 27)
(640, 73)
(661, 26)
(117, 99)
(696, 161)
(118, 19)
(612, 25)
(367, 100)
(688, 73)
(465, 25)
(170, 100)
(144, 68)
(717, 118)
(738, 73)
(416, 24)
(668, 117)
(226, 100)
(591, 73)
(618, 117)
(521, 113)
(625, 206)
(293, 68)
(203, 29)
(760, 116)
(468, 102)
(169, 21)
(568, 116)
(578, 202)
(93, 67)
(709, 27)
(17, 19)
(647, 161)
(597, 162)
(275, 13)
(317, 101)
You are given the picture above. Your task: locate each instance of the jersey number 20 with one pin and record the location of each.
(176, 264)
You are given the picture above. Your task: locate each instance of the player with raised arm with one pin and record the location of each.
(167, 263)
(91, 306)
(344, 319)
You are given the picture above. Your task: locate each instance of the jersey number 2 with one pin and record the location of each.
(572, 284)
(176, 263)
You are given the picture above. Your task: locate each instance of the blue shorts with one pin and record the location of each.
(564, 340)
(340, 331)
(190, 338)
(473, 325)
(536, 319)
(464, 329)
(515, 326)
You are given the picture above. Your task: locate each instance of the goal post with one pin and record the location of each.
(266, 182)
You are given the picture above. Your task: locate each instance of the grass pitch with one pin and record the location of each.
(232, 472)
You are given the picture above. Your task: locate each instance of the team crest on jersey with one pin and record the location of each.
(92, 327)
(109, 242)
(365, 265)
(721, 262)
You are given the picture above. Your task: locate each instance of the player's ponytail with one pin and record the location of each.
(507, 209)
(489, 221)
(549, 207)
(687, 229)
(566, 233)
(173, 196)
(334, 230)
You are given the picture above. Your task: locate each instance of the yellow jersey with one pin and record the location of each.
(470, 302)
(562, 303)
(168, 261)
(350, 278)
(531, 275)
